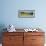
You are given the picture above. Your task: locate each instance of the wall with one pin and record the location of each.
(9, 13)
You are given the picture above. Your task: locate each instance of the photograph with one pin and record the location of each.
(26, 13)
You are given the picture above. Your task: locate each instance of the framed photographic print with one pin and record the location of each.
(26, 13)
